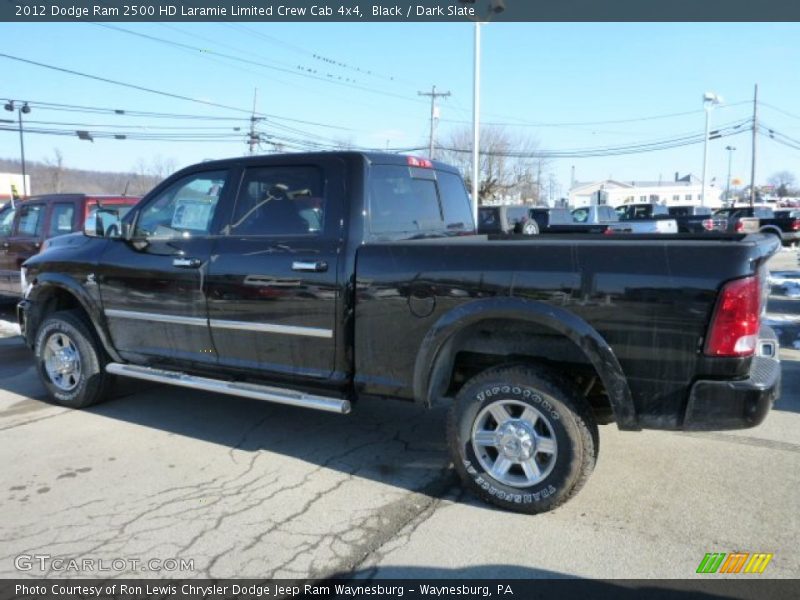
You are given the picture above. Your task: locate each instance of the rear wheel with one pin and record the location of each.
(522, 438)
(70, 360)
(530, 228)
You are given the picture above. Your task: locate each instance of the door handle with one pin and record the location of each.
(317, 266)
(186, 263)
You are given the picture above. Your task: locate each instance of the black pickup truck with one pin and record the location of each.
(334, 279)
(786, 228)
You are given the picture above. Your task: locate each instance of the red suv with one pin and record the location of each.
(30, 222)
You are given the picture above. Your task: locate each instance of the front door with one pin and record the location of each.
(272, 288)
(152, 284)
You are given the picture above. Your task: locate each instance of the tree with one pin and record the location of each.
(509, 167)
(54, 173)
(148, 174)
(782, 180)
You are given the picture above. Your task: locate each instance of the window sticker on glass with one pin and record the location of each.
(192, 214)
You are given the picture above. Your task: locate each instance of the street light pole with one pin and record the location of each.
(710, 100)
(9, 106)
(730, 150)
(476, 135)
(22, 154)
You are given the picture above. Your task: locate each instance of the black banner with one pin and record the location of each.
(744, 588)
(398, 11)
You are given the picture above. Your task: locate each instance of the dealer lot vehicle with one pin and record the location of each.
(32, 222)
(785, 228)
(691, 218)
(595, 215)
(559, 220)
(644, 217)
(506, 220)
(333, 279)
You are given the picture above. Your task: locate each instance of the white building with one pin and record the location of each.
(12, 182)
(683, 190)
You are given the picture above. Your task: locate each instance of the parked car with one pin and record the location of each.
(785, 228)
(216, 281)
(559, 220)
(26, 227)
(691, 218)
(643, 218)
(506, 220)
(595, 215)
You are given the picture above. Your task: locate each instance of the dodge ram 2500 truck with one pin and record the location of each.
(330, 280)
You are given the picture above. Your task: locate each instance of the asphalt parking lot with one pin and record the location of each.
(247, 489)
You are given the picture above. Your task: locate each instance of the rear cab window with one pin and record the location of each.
(411, 202)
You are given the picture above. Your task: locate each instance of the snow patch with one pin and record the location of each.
(9, 328)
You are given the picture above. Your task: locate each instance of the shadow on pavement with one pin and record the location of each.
(396, 443)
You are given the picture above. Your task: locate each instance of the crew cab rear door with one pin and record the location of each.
(152, 284)
(272, 280)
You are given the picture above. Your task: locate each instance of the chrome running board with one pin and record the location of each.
(232, 388)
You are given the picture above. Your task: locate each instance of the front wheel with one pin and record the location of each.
(522, 439)
(70, 361)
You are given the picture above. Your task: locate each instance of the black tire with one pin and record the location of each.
(566, 418)
(68, 329)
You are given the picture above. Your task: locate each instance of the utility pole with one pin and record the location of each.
(753, 163)
(539, 183)
(433, 94)
(253, 138)
(730, 150)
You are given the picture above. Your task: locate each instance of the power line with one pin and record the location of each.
(300, 71)
(523, 123)
(164, 115)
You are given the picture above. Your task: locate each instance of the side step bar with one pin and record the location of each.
(232, 388)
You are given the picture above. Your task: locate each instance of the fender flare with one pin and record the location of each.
(431, 358)
(771, 229)
(45, 282)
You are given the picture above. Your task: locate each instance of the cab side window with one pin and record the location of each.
(30, 220)
(7, 220)
(279, 201)
(184, 209)
(61, 219)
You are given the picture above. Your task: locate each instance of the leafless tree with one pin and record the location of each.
(53, 173)
(509, 167)
(783, 181)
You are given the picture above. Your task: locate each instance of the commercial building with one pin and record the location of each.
(681, 190)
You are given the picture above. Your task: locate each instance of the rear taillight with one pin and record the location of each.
(737, 318)
(796, 225)
(739, 227)
(608, 231)
(708, 224)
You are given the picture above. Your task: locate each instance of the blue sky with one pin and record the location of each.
(532, 73)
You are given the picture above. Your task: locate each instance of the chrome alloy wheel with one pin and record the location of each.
(514, 443)
(62, 362)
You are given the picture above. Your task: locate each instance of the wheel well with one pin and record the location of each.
(54, 300)
(491, 343)
(770, 229)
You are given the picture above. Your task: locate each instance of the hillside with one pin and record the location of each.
(52, 177)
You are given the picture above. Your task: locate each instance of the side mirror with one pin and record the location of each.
(104, 222)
